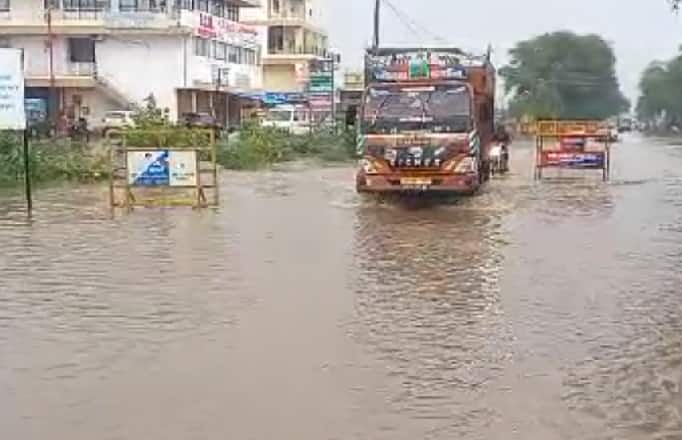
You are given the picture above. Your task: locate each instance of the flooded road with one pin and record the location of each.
(301, 311)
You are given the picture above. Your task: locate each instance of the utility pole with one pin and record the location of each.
(53, 106)
(377, 11)
(333, 91)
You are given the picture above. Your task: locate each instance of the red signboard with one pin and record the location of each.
(218, 28)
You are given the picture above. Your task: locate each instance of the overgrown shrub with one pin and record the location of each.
(153, 128)
(50, 160)
(257, 147)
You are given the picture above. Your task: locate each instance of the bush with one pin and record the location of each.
(153, 128)
(50, 160)
(257, 147)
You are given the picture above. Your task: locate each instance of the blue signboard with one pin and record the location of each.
(272, 98)
(148, 168)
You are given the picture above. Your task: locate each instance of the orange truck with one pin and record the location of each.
(426, 121)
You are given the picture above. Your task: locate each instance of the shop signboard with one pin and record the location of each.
(12, 113)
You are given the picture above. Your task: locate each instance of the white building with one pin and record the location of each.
(85, 57)
(292, 35)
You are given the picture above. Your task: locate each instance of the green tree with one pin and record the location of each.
(661, 92)
(564, 75)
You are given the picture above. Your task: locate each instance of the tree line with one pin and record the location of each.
(563, 75)
(567, 75)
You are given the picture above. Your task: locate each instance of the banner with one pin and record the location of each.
(217, 28)
(594, 160)
(148, 168)
(12, 113)
(183, 168)
(162, 168)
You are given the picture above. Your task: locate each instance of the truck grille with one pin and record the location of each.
(415, 158)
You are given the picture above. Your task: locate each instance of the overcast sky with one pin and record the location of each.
(638, 30)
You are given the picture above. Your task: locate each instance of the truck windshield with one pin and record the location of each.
(444, 109)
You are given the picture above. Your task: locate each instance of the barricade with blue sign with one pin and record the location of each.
(578, 145)
(147, 173)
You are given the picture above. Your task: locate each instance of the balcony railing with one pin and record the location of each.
(82, 69)
(289, 15)
(273, 50)
(63, 69)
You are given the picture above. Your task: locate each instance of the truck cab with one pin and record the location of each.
(425, 122)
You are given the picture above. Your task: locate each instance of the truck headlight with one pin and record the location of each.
(466, 166)
(368, 166)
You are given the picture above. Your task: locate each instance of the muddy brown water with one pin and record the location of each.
(302, 311)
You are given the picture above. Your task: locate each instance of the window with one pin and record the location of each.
(4, 5)
(275, 6)
(81, 50)
(218, 8)
(221, 52)
(128, 5)
(233, 12)
(202, 5)
(249, 56)
(185, 4)
(201, 47)
(232, 54)
(84, 5)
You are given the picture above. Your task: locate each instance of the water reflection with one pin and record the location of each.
(427, 299)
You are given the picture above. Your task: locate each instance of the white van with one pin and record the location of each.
(294, 119)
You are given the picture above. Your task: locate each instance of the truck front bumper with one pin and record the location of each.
(463, 184)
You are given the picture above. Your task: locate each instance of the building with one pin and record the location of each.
(85, 57)
(351, 95)
(292, 37)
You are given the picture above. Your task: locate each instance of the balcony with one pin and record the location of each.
(294, 16)
(297, 51)
(66, 74)
(86, 20)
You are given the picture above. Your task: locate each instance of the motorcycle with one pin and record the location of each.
(499, 159)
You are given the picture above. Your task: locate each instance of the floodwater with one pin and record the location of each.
(301, 311)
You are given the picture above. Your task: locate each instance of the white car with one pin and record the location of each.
(118, 119)
(290, 118)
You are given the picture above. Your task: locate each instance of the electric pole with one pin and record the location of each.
(53, 106)
(377, 11)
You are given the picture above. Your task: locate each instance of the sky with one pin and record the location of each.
(639, 31)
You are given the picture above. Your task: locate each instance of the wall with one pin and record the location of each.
(95, 100)
(142, 66)
(201, 70)
(317, 18)
(280, 78)
(37, 57)
(26, 10)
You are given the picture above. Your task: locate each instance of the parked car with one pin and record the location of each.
(290, 118)
(117, 120)
(200, 120)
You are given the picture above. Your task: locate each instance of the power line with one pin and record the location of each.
(411, 23)
(402, 18)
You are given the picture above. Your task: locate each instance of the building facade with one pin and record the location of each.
(86, 57)
(292, 36)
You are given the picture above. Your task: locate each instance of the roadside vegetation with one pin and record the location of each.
(563, 75)
(257, 147)
(50, 160)
(659, 106)
(252, 147)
